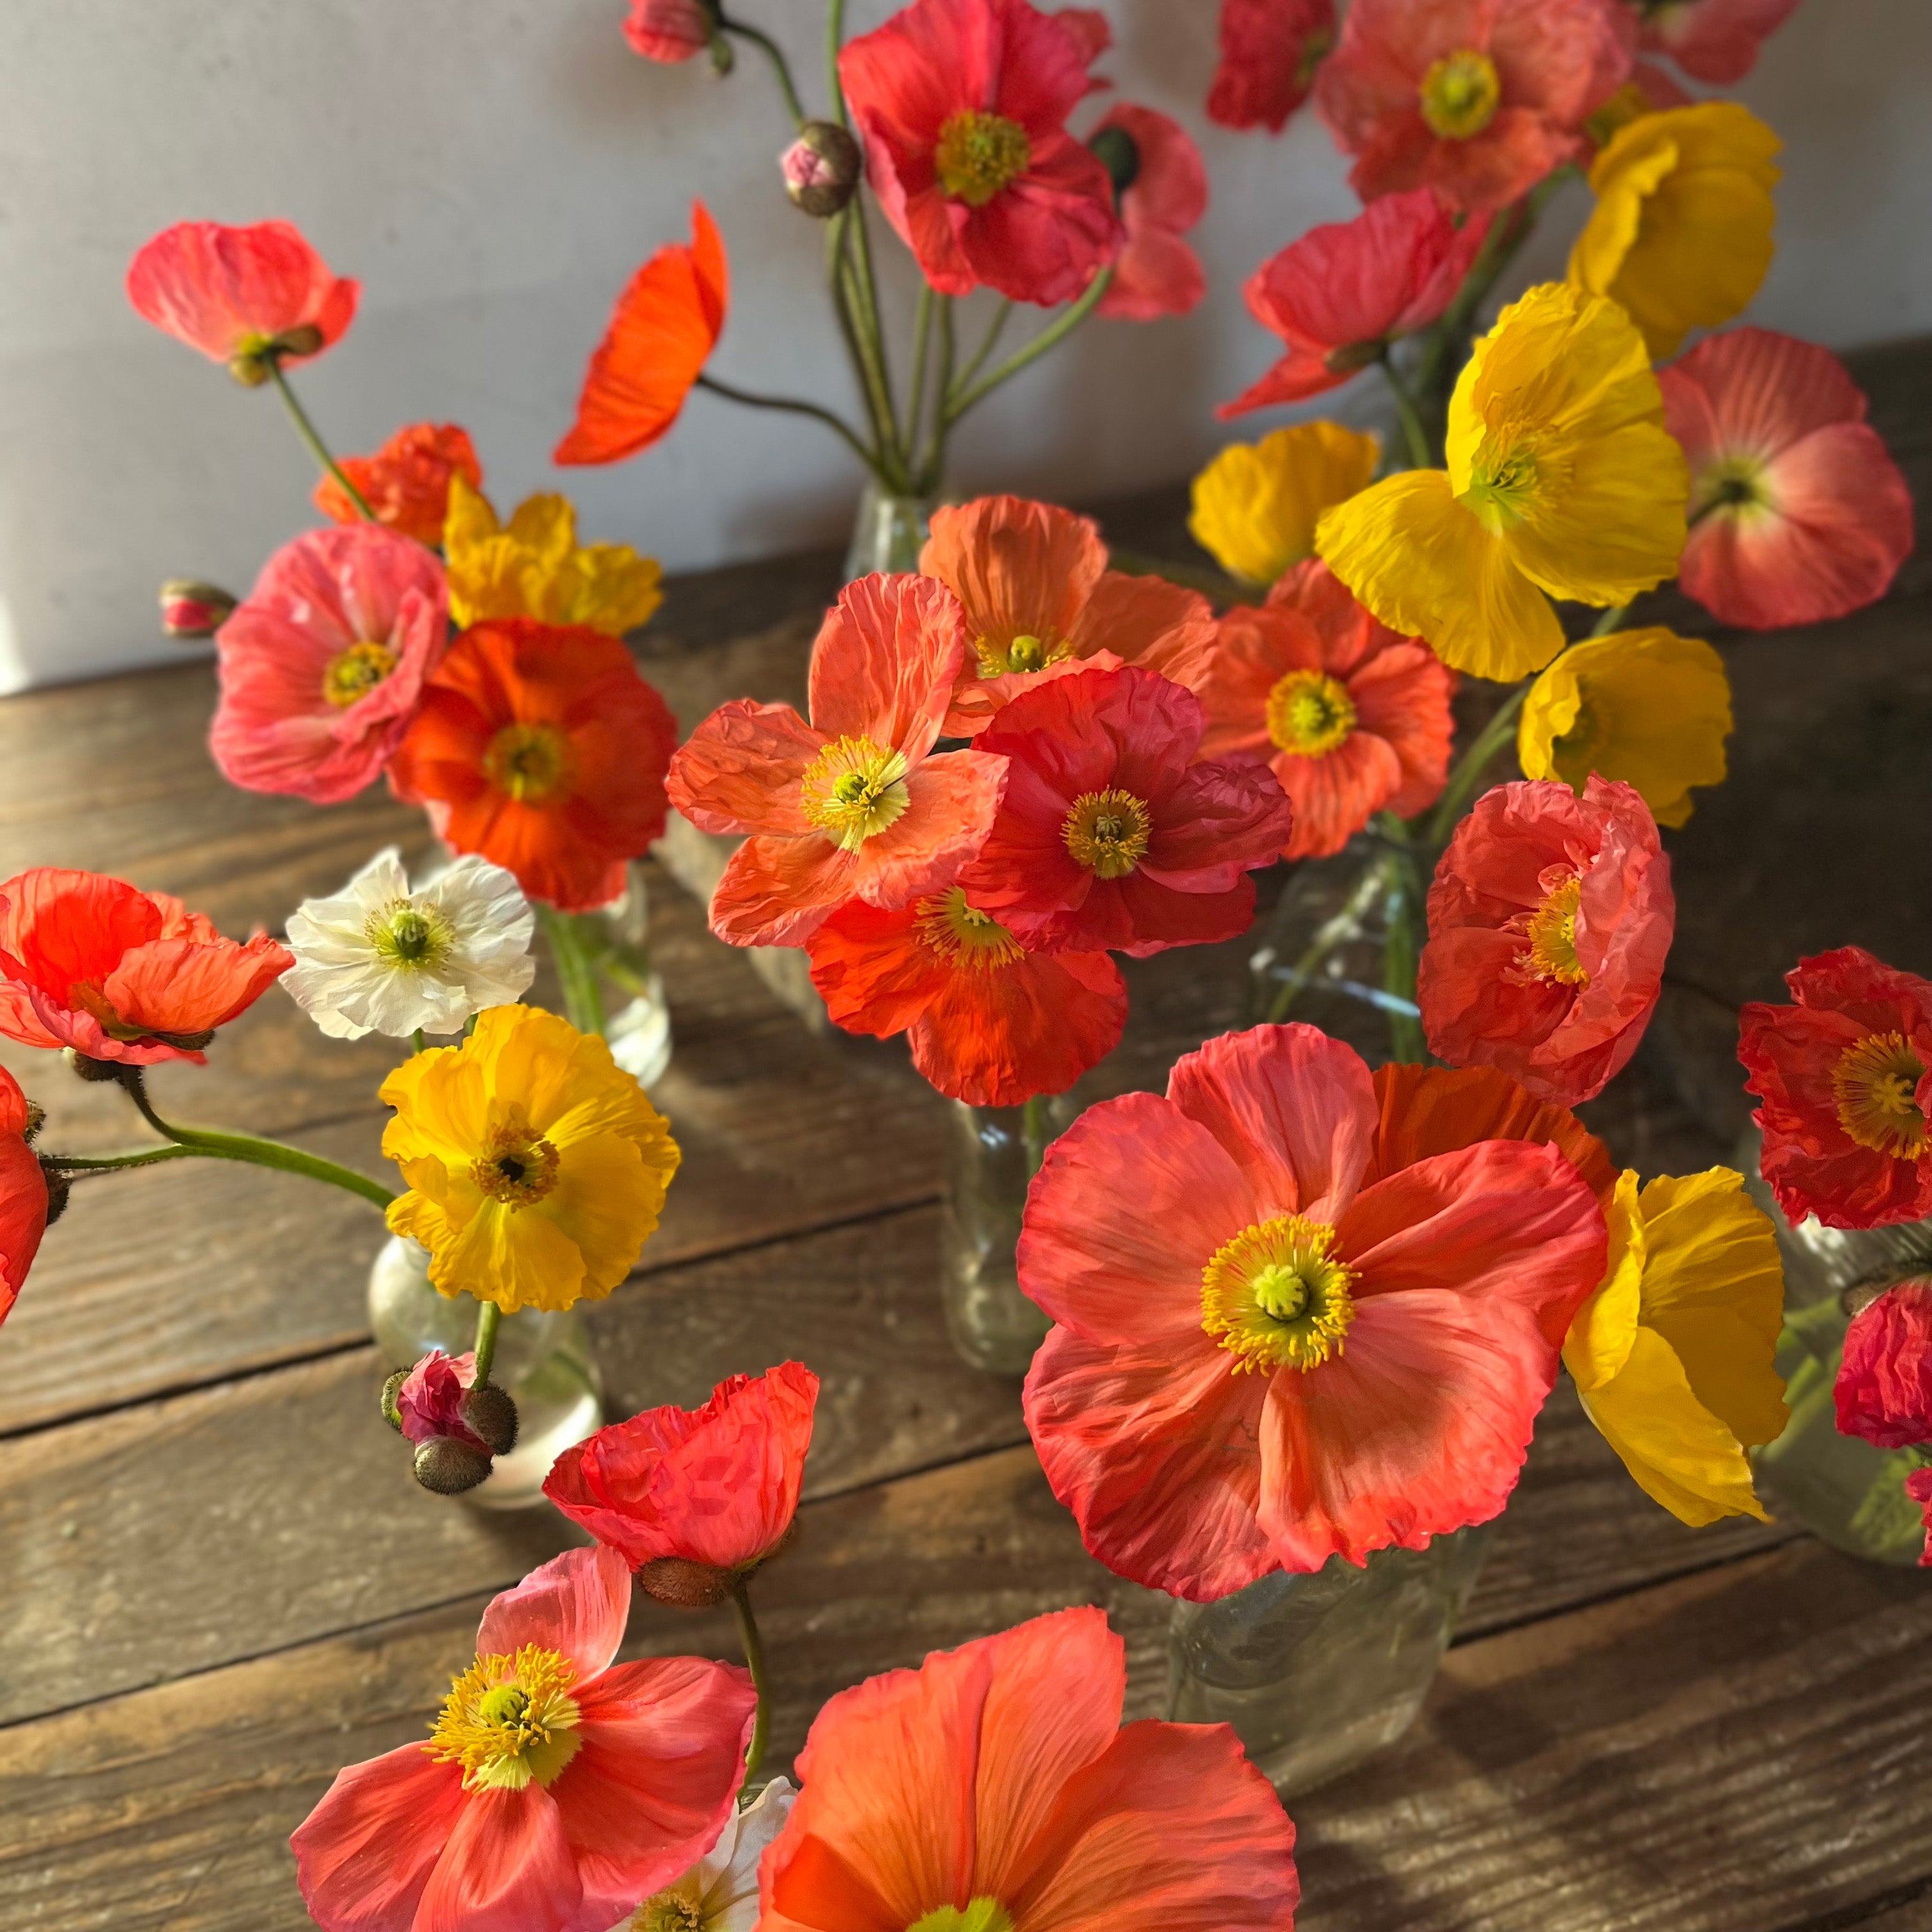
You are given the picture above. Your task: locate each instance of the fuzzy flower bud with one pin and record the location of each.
(1884, 1389)
(190, 608)
(448, 1467)
(821, 169)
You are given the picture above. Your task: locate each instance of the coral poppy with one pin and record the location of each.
(245, 296)
(557, 1787)
(541, 749)
(1680, 237)
(1562, 479)
(1478, 100)
(1347, 289)
(1800, 513)
(1884, 1388)
(661, 333)
(1842, 1075)
(694, 1499)
(989, 1021)
(1274, 1359)
(995, 1787)
(963, 105)
(117, 974)
(670, 30)
(1115, 834)
(1714, 40)
(851, 805)
(1353, 719)
(23, 1192)
(406, 481)
(322, 665)
(1269, 50)
(1256, 506)
(1164, 196)
(1549, 920)
(1040, 602)
(536, 1168)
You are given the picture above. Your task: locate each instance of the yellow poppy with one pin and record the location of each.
(533, 567)
(1562, 479)
(536, 1168)
(1672, 1353)
(1256, 505)
(1646, 706)
(1681, 234)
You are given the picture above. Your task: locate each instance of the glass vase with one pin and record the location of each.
(611, 985)
(543, 1361)
(1317, 1672)
(889, 531)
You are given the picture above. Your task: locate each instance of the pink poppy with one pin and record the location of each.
(1714, 40)
(1156, 273)
(1269, 50)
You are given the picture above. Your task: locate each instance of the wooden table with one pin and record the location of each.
(218, 1583)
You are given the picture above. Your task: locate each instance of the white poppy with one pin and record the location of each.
(720, 1893)
(378, 958)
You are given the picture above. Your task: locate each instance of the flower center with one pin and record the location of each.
(356, 672)
(1551, 931)
(1275, 1298)
(854, 788)
(1024, 653)
(1502, 487)
(978, 154)
(517, 1166)
(1310, 712)
(529, 761)
(1875, 1082)
(508, 1719)
(982, 1914)
(1107, 831)
(668, 1912)
(412, 937)
(1733, 486)
(1460, 93)
(965, 938)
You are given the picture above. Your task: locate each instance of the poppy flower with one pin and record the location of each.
(429, 1400)
(1478, 100)
(244, 296)
(851, 805)
(321, 665)
(1714, 40)
(1114, 835)
(1345, 290)
(694, 1499)
(1352, 719)
(963, 106)
(406, 481)
(1549, 920)
(670, 30)
(989, 1022)
(1841, 1075)
(1919, 1489)
(1256, 506)
(995, 1787)
(1884, 1390)
(1040, 602)
(23, 1193)
(539, 747)
(661, 333)
(1275, 1358)
(1156, 273)
(720, 1893)
(118, 974)
(1269, 50)
(556, 1789)
(1801, 514)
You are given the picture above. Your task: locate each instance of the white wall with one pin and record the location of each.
(492, 170)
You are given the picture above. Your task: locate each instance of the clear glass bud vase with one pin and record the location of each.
(543, 1361)
(889, 531)
(1317, 1672)
(610, 985)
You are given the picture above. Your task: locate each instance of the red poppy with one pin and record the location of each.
(662, 331)
(1798, 512)
(1918, 1487)
(1842, 1076)
(989, 1022)
(1352, 718)
(1549, 920)
(1337, 296)
(239, 295)
(23, 1193)
(1715, 40)
(539, 746)
(963, 105)
(1884, 1389)
(406, 481)
(1156, 273)
(117, 974)
(1477, 99)
(1114, 835)
(1269, 50)
(669, 30)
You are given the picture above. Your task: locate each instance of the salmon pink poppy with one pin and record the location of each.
(1115, 834)
(406, 482)
(1714, 40)
(1353, 719)
(91, 963)
(1884, 1389)
(1798, 511)
(556, 1788)
(963, 106)
(1164, 196)
(1844, 1078)
(1478, 100)
(1549, 920)
(1040, 603)
(989, 1022)
(851, 805)
(1269, 50)
(1340, 294)
(670, 30)
(23, 1192)
(661, 333)
(540, 748)
(322, 665)
(995, 1787)
(1267, 1352)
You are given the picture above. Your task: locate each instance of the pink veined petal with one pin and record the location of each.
(740, 770)
(887, 657)
(506, 1867)
(778, 892)
(952, 802)
(577, 1604)
(364, 1854)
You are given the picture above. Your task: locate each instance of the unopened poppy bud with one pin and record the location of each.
(821, 168)
(190, 608)
(36, 1118)
(449, 1467)
(724, 56)
(391, 1415)
(686, 1585)
(1117, 151)
(60, 1190)
(492, 1417)
(86, 1069)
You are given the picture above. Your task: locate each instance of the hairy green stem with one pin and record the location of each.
(306, 431)
(775, 54)
(754, 1662)
(1056, 331)
(752, 400)
(79, 1165)
(487, 1315)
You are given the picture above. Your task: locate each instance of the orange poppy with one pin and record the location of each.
(406, 481)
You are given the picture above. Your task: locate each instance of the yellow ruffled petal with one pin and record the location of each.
(534, 568)
(1256, 505)
(610, 587)
(608, 1197)
(1599, 1341)
(1617, 528)
(470, 519)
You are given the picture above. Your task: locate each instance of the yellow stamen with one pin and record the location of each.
(978, 154)
(1275, 1298)
(1107, 831)
(1310, 713)
(1506, 482)
(529, 761)
(1551, 931)
(668, 1912)
(1875, 1082)
(966, 938)
(517, 1166)
(854, 788)
(1024, 653)
(415, 938)
(509, 1719)
(356, 672)
(1460, 95)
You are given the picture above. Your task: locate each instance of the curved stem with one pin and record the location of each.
(583, 996)
(775, 54)
(487, 1315)
(752, 400)
(78, 1164)
(1056, 332)
(306, 431)
(754, 1662)
(1471, 766)
(1609, 621)
(1420, 456)
(995, 330)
